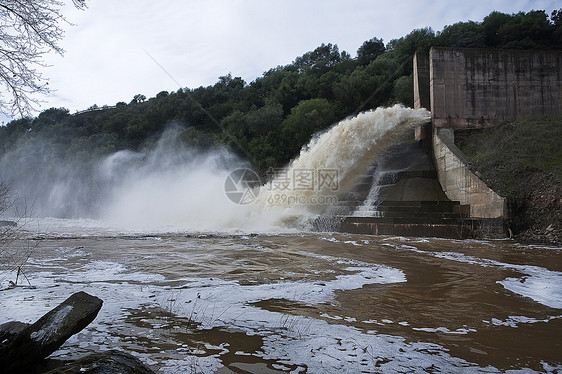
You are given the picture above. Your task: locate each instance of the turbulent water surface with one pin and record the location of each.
(188, 288)
(309, 302)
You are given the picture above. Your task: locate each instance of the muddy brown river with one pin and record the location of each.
(299, 302)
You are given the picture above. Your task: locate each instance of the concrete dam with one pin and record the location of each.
(423, 185)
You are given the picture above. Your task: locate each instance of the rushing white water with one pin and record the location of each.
(171, 187)
(369, 206)
(187, 195)
(332, 162)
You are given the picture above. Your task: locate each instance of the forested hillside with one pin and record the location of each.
(267, 121)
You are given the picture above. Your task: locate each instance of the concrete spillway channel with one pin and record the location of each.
(402, 196)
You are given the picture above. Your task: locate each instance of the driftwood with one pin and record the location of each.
(24, 347)
(104, 363)
(34, 342)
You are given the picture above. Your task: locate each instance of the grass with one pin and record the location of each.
(504, 155)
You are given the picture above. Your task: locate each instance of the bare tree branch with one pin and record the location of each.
(15, 249)
(28, 30)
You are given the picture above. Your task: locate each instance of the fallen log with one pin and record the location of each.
(24, 346)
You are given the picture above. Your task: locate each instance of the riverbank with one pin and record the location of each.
(522, 161)
(537, 211)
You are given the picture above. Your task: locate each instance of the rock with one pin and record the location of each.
(39, 340)
(104, 363)
(9, 330)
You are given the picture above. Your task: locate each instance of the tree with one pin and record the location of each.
(49, 117)
(462, 35)
(368, 87)
(522, 30)
(403, 90)
(370, 50)
(556, 19)
(491, 26)
(29, 30)
(403, 49)
(138, 98)
(306, 119)
(320, 60)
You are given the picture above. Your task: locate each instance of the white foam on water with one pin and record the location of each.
(514, 321)
(445, 330)
(289, 340)
(539, 284)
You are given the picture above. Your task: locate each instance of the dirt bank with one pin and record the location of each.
(537, 210)
(522, 161)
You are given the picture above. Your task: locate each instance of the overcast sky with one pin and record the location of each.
(109, 48)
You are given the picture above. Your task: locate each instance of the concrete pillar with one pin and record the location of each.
(421, 81)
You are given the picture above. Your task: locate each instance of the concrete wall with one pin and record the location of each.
(421, 81)
(474, 88)
(461, 184)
